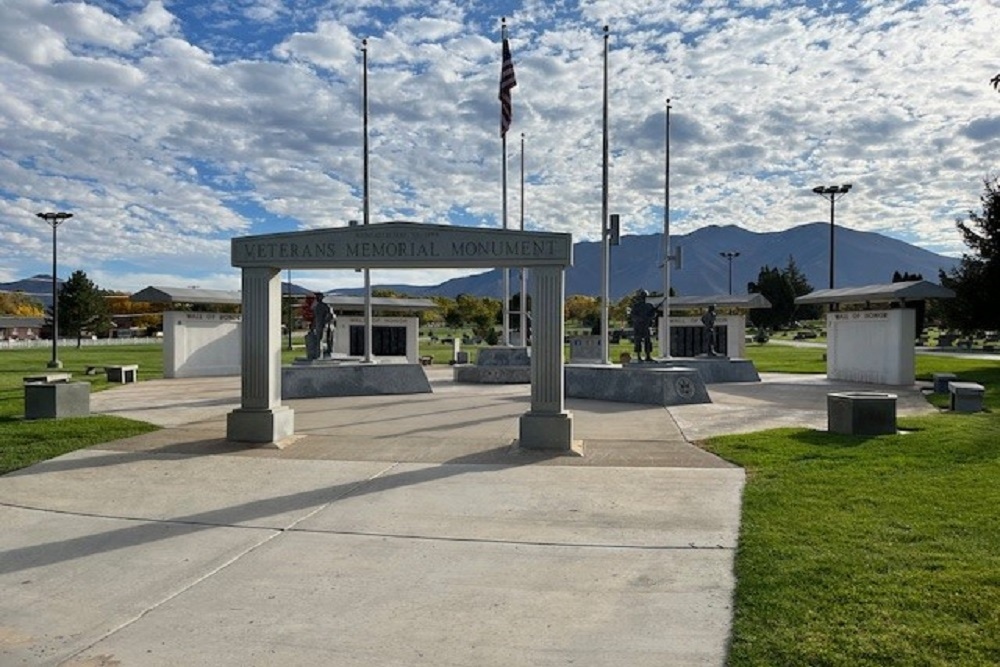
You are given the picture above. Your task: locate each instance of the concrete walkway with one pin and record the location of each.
(396, 530)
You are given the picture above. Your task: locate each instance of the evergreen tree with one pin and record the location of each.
(773, 287)
(82, 307)
(800, 286)
(780, 287)
(976, 278)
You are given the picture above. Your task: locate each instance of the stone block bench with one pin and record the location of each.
(123, 374)
(47, 378)
(941, 381)
(966, 396)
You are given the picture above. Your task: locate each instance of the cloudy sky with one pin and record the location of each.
(168, 127)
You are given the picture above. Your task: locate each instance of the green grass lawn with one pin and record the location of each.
(853, 550)
(23, 442)
(871, 550)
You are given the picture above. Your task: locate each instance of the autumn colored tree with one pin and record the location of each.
(20, 305)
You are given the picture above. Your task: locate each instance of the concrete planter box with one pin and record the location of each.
(861, 413)
(56, 400)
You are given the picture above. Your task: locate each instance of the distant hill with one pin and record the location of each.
(37, 287)
(862, 258)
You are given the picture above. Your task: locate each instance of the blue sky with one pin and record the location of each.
(167, 128)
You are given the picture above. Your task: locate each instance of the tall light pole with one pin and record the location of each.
(831, 192)
(55, 219)
(730, 256)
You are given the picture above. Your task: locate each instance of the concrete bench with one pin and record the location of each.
(123, 374)
(426, 360)
(941, 381)
(966, 396)
(47, 378)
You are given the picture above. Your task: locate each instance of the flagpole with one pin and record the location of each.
(665, 334)
(506, 271)
(524, 278)
(605, 240)
(505, 328)
(368, 357)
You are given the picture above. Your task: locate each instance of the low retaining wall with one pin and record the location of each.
(649, 384)
(352, 379)
(497, 365)
(716, 370)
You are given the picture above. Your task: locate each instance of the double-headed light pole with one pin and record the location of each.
(55, 219)
(730, 255)
(833, 193)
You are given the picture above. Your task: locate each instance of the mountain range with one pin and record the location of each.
(862, 258)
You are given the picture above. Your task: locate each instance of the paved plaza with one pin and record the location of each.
(393, 530)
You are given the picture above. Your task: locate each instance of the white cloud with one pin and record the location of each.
(171, 128)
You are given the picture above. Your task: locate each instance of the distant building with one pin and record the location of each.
(20, 328)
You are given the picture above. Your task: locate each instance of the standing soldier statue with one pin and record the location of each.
(320, 337)
(642, 316)
(708, 319)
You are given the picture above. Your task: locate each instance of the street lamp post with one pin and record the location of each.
(54, 219)
(730, 256)
(831, 192)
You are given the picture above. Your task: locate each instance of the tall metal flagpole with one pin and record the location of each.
(605, 240)
(524, 277)
(368, 357)
(504, 124)
(665, 331)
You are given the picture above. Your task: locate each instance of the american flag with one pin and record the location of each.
(507, 81)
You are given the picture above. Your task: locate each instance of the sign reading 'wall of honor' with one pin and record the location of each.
(403, 244)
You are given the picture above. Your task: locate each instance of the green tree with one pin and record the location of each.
(82, 307)
(582, 309)
(800, 286)
(780, 287)
(975, 279)
(919, 306)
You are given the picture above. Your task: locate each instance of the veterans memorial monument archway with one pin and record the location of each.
(262, 419)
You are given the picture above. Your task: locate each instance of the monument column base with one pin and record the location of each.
(263, 427)
(546, 431)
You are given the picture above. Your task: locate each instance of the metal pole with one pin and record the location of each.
(54, 220)
(368, 356)
(505, 310)
(832, 200)
(54, 363)
(665, 333)
(605, 241)
(524, 277)
(290, 315)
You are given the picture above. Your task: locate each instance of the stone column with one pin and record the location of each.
(261, 417)
(547, 425)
